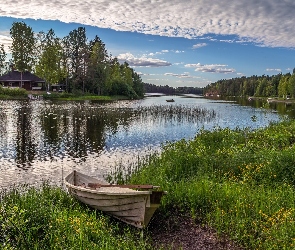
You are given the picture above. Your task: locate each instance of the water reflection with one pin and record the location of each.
(45, 139)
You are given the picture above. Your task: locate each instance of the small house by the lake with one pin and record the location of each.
(25, 80)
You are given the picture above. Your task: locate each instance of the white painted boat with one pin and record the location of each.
(133, 204)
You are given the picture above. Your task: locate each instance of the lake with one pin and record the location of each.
(45, 140)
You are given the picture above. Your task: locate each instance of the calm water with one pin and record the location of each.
(47, 140)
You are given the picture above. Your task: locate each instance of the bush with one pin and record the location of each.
(13, 91)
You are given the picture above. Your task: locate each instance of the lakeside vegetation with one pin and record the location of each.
(48, 218)
(20, 93)
(168, 90)
(240, 182)
(280, 85)
(12, 93)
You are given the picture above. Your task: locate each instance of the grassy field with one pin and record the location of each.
(240, 182)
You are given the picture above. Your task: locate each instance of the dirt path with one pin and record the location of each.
(183, 233)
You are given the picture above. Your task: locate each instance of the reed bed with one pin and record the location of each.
(175, 113)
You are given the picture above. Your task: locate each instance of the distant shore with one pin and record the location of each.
(272, 99)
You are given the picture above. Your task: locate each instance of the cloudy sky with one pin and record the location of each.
(173, 42)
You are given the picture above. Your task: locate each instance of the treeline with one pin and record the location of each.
(151, 88)
(80, 64)
(280, 85)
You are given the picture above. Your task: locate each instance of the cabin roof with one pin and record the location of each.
(15, 75)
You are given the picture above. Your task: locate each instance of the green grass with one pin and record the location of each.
(64, 96)
(239, 182)
(13, 93)
(48, 218)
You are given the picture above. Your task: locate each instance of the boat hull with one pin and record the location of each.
(131, 206)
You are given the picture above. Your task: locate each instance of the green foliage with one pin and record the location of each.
(48, 218)
(22, 46)
(79, 64)
(241, 182)
(122, 88)
(13, 92)
(77, 96)
(3, 56)
(262, 86)
(48, 66)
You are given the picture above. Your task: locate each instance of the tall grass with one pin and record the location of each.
(239, 182)
(48, 218)
(13, 92)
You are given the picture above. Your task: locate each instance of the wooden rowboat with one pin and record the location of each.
(170, 100)
(133, 204)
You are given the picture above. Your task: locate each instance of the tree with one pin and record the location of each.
(49, 64)
(283, 86)
(97, 69)
(138, 85)
(291, 85)
(2, 58)
(126, 74)
(78, 53)
(22, 48)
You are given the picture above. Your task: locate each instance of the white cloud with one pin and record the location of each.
(266, 22)
(211, 68)
(199, 45)
(278, 70)
(184, 75)
(142, 61)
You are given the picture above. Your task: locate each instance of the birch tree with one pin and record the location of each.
(22, 48)
(49, 63)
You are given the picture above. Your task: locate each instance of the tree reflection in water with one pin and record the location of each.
(37, 138)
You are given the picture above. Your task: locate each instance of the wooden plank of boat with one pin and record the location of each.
(98, 185)
(135, 207)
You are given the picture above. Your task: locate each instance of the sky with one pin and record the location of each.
(177, 43)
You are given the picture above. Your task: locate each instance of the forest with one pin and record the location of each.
(280, 85)
(80, 64)
(168, 90)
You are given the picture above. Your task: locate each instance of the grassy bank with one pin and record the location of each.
(80, 97)
(48, 218)
(13, 93)
(240, 182)
(20, 93)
